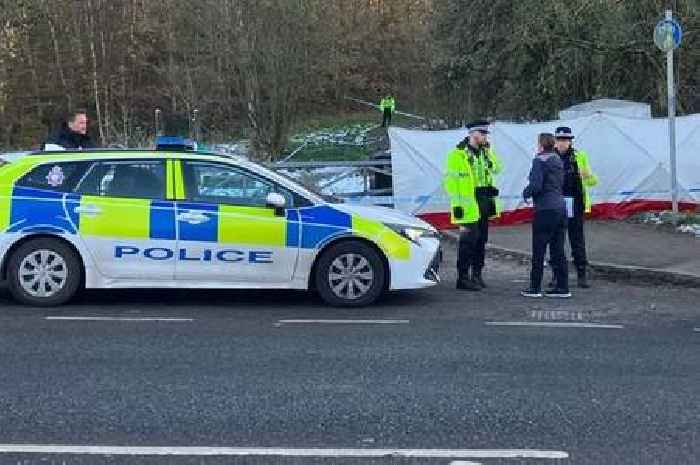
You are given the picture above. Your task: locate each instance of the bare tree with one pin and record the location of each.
(256, 67)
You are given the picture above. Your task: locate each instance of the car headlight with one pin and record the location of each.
(412, 233)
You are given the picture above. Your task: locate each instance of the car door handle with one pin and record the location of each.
(88, 210)
(193, 218)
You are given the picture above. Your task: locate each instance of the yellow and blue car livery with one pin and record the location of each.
(147, 239)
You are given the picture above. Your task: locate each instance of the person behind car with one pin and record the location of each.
(73, 134)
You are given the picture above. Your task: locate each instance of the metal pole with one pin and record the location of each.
(189, 127)
(195, 123)
(157, 121)
(672, 127)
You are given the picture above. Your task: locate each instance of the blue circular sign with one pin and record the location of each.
(668, 35)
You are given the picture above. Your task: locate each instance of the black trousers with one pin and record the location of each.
(481, 240)
(549, 230)
(386, 120)
(577, 241)
(467, 256)
(486, 209)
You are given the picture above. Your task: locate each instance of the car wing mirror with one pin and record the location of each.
(276, 201)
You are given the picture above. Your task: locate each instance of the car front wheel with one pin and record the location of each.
(44, 272)
(350, 274)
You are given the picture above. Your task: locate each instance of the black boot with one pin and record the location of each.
(464, 283)
(462, 278)
(478, 279)
(581, 279)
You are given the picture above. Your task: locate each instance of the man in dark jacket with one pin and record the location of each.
(549, 226)
(72, 134)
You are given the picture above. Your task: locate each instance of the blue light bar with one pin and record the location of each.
(175, 143)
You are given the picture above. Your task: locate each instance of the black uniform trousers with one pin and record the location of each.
(467, 255)
(549, 230)
(577, 241)
(386, 120)
(486, 210)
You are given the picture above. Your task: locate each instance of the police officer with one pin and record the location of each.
(464, 211)
(578, 177)
(486, 167)
(387, 105)
(470, 166)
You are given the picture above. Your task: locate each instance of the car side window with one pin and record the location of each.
(137, 179)
(56, 177)
(216, 183)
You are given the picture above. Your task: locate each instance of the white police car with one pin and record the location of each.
(181, 219)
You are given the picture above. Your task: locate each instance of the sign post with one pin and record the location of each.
(667, 37)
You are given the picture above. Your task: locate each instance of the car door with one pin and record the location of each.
(126, 220)
(43, 200)
(226, 232)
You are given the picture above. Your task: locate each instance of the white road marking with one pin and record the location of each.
(116, 318)
(552, 324)
(347, 322)
(281, 452)
(561, 315)
(463, 462)
(697, 330)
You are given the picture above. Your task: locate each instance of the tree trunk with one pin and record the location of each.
(95, 83)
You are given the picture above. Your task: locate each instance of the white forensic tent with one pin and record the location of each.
(612, 107)
(629, 155)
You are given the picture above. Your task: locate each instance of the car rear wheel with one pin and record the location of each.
(350, 274)
(44, 272)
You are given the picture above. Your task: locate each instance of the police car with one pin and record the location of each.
(181, 219)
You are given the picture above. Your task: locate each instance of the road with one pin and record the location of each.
(431, 375)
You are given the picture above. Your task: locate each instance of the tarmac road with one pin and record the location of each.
(432, 376)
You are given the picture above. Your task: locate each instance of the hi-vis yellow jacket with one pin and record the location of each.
(387, 103)
(459, 183)
(588, 178)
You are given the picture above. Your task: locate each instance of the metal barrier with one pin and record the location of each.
(375, 174)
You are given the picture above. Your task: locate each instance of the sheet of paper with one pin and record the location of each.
(569, 207)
